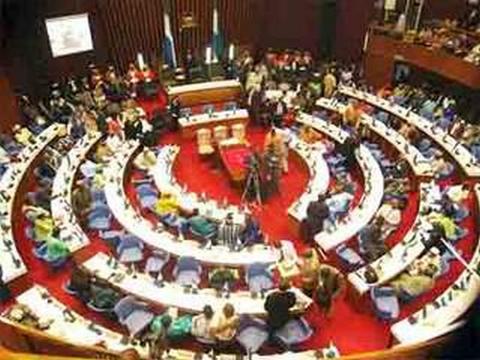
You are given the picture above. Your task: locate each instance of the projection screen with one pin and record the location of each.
(69, 34)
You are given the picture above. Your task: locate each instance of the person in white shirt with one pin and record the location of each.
(201, 325)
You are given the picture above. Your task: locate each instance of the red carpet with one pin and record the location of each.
(352, 327)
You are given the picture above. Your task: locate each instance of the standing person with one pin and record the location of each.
(330, 284)
(273, 170)
(278, 305)
(317, 213)
(329, 84)
(277, 141)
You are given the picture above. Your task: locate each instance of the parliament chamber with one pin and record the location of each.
(239, 179)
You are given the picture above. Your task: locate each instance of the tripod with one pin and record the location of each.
(253, 183)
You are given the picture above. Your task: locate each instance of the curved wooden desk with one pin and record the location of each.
(371, 200)
(463, 157)
(420, 165)
(446, 311)
(168, 294)
(61, 204)
(165, 180)
(10, 183)
(156, 236)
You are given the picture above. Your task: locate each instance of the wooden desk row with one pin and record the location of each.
(12, 265)
(206, 93)
(156, 236)
(372, 197)
(63, 213)
(419, 164)
(463, 157)
(165, 181)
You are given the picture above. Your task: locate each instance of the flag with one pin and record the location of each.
(217, 41)
(169, 55)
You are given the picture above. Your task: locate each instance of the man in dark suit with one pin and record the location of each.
(278, 305)
(317, 213)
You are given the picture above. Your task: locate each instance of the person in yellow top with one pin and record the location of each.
(276, 140)
(43, 228)
(309, 135)
(329, 84)
(167, 204)
(225, 324)
(447, 224)
(22, 135)
(352, 115)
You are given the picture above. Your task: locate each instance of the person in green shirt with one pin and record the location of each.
(202, 227)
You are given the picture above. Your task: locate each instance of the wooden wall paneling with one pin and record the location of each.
(353, 19)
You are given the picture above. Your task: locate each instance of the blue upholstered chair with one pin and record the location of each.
(385, 302)
(112, 237)
(258, 278)
(130, 249)
(349, 257)
(147, 195)
(294, 332)
(99, 218)
(251, 334)
(187, 271)
(157, 261)
(133, 314)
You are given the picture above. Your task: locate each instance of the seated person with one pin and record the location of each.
(450, 229)
(225, 324)
(222, 278)
(409, 285)
(201, 325)
(391, 213)
(22, 135)
(145, 160)
(54, 249)
(371, 240)
(278, 305)
(103, 153)
(229, 233)
(23, 315)
(157, 336)
(167, 205)
(251, 233)
(309, 135)
(201, 226)
(80, 282)
(103, 297)
(329, 285)
(309, 267)
(81, 200)
(5, 160)
(43, 227)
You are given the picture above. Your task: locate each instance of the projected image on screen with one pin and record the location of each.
(69, 34)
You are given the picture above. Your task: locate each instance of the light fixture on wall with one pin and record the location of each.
(188, 21)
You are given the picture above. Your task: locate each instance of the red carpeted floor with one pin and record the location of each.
(200, 176)
(352, 327)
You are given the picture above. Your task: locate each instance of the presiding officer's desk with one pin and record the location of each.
(190, 124)
(371, 200)
(206, 92)
(157, 237)
(454, 148)
(189, 201)
(10, 261)
(400, 256)
(63, 213)
(447, 309)
(421, 167)
(143, 286)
